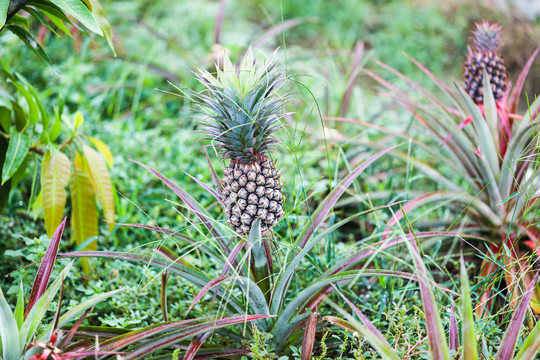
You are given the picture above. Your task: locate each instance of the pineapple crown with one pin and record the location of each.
(240, 107)
(487, 37)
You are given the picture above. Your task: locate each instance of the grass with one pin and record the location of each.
(129, 102)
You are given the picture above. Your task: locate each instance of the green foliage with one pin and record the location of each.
(29, 128)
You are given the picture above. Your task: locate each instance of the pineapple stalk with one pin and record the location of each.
(241, 111)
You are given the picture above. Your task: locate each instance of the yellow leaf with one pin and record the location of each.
(80, 162)
(98, 14)
(55, 173)
(84, 217)
(103, 182)
(104, 150)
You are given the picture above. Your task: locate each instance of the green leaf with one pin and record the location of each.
(102, 179)
(4, 4)
(56, 16)
(470, 345)
(19, 20)
(36, 99)
(79, 11)
(19, 309)
(4, 189)
(35, 316)
(84, 220)
(55, 174)
(5, 118)
(57, 126)
(30, 42)
(79, 120)
(20, 116)
(9, 332)
(33, 110)
(99, 15)
(16, 152)
(531, 345)
(21, 172)
(41, 17)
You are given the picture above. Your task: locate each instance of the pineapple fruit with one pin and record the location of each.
(241, 110)
(486, 41)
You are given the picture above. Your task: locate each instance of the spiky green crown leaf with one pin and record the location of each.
(241, 108)
(487, 37)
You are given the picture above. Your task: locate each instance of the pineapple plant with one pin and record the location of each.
(486, 42)
(241, 111)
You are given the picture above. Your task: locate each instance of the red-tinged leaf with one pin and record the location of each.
(83, 354)
(192, 204)
(470, 201)
(415, 85)
(328, 203)
(171, 333)
(218, 280)
(164, 278)
(195, 345)
(232, 257)
(368, 324)
(453, 334)
(513, 98)
(357, 56)
(212, 192)
(169, 254)
(436, 338)
(309, 336)
(509, 341)
(219, 353)
(191, 274)
(58, 309)
(215, 178)
(430, 74)
(203, 248)
(44, 272)
(74, 329)
(385, 244)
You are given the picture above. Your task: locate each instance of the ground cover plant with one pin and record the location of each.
(306, 236)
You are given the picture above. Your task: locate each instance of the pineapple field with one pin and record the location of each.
(262, 179)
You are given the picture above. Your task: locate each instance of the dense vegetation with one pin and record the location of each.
(410, 221)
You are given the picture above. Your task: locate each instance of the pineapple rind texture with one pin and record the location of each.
(495, 69)
(250, 192)
(486, 41)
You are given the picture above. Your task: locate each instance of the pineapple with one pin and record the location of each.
(241, 112)
(486, 41)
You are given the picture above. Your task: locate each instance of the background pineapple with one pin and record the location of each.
(241, 112)
(486, 41)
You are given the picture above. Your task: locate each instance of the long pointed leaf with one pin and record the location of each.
(9, 332)
(193, 205)
(45, 268)
(436, 338)
(326, 205)
(509, 341)
(470, 345)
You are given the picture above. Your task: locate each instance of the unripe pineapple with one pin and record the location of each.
(241, 112)
(486, 42)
